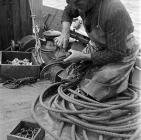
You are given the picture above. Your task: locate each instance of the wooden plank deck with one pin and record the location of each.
(15, 105)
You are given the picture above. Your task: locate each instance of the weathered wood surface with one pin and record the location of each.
(15, 17)
(44, 10)
(15, 105)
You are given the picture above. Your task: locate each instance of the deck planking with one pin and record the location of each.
(15, 105)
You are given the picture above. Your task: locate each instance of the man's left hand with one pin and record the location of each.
(77, 56)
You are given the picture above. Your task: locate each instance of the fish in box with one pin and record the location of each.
(18, 65)
(27, 131)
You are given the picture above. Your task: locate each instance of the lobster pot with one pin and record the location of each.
(8, 71)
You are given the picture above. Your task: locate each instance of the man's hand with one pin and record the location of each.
(62, 41)
(77, 56)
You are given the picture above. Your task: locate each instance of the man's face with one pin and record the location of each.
(82, 5)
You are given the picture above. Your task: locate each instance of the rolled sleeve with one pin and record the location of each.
(116, 28)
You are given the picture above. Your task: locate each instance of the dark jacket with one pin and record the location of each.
(116, 24)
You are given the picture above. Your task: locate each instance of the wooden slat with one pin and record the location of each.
(54, 20)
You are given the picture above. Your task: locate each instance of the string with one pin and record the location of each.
(37, 51)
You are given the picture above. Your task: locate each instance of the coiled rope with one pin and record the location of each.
(118, 117)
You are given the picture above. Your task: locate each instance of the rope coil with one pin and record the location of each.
(88, 114)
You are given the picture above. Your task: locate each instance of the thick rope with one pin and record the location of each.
(87, 114)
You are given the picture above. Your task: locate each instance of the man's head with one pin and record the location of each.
(82, 5)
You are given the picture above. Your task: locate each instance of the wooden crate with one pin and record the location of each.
(24, 124)
(8, 71)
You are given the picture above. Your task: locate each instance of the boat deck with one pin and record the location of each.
(15, 105)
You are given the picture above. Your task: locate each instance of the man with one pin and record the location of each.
(112, 48)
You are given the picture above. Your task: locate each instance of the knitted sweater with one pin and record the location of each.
(116, 24)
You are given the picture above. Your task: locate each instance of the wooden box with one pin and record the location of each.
(39, 135)
(9, 71)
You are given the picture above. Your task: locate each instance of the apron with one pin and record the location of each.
(111, 79)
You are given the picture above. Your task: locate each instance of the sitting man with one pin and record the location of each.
(112, 48)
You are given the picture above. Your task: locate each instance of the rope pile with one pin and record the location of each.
(115, 118)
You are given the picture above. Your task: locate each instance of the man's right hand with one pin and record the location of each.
(62, 40)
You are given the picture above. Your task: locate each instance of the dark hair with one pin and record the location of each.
(68, 1)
